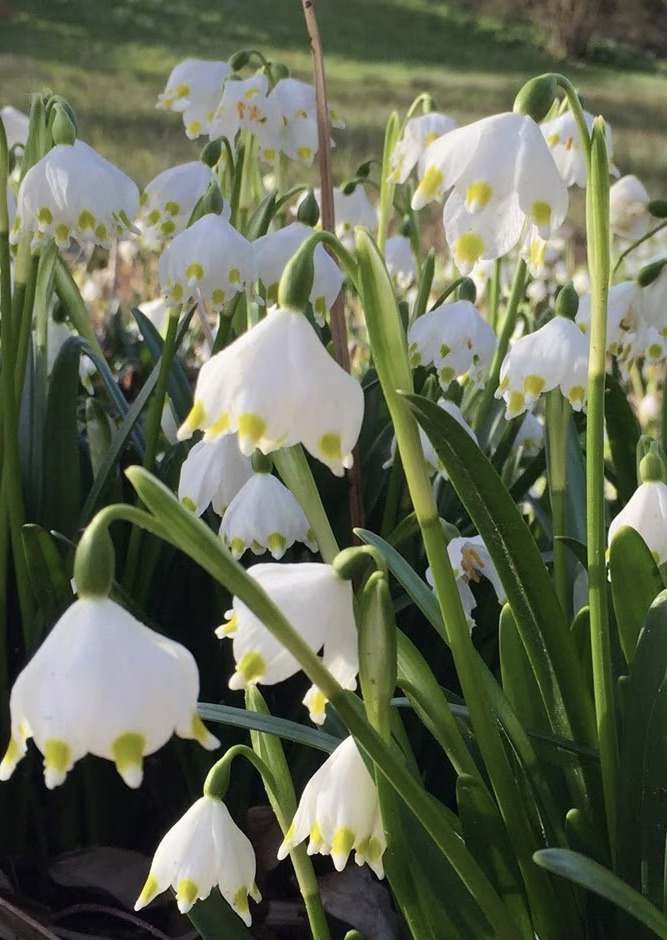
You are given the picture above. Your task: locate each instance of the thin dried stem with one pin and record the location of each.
(338, 327)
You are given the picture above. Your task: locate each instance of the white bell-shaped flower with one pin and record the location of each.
(531, 436)
(16, 125)
(504, 180)
(647, 342)
(274, 250)
(245, 105)
(204, 849)
(277, 386)
(628, 208)
(646, 513)
(470, 561)
(555, 356)
(623, 314)
(73, 192)
(296, 109)
(420, 132)
(209, 262)
(212, 474)
(194, 88)
(564, 141)
(339, 813)
(456, 339)
(318, 604)
(263, 516)
(103, 683)
(400, 261)
(167, 202)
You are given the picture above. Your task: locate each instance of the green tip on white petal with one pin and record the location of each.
(202, 735)
(127, 751)
(342, 845)
(149, 891)
(57, 762)
(186, 894)
(15, 751)
(249, 670)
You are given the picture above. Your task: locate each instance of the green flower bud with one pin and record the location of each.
(348, 188)
(211, 153)
(297, 279)
(651, 468)
(467, 290)
(658, 208)
(94, 562)
(309, 211)
(567, 302)
(377, 649)
(536, 97)
(63, 129)
(650, 273)
(364, 169)
(239, 60)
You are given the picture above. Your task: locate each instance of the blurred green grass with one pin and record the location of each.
(111, 61)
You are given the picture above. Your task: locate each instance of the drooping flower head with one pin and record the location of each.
(400, 261)
(74, 193)
(471, 561)
(103, 683)
(209, 262)
(339, 813)
(194, 88)
(16, 126)
(456, 339)
(504, 179)
(212, 474)
(167, 202)
(277, 386)
(628, 208)
(646, 510)
(204, 849)
(318, 604)
(564, 140)
(420, 132)
(245, 105)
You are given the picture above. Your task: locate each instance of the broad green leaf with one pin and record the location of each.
(623, 433)
(591, 875)
(635, 583)
(530, 593)
(485, 835)
(61, 457)
(269, 724)
(48, 577)
(581, 634)
(647, 674)
(654, 802)
(214, 919)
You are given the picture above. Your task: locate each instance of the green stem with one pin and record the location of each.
(297, 476)
(516, 295)
(557, 424)
(636, 244)
(448, 291)
(386, 186)
(494, 293)
(597, 225)
(193, 537)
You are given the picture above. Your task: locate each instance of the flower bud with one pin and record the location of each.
(650, 272)
(567, 302)
(276, 71)
(536, 97)
(296, 282)
(364, 170)
(467, 290)
(309, 210)
(63, 129)
(94, 563)
(211, 153)
(651, 466)
(239, 60)
(658, 208)
(57, 101)
(348, 188)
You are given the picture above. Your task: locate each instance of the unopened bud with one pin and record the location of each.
(348, 188)
(364, 170)
(658, 208)
(211, 153)
(309, 211)
(651, 468)
(567, 302)
(239, 60)
(651, 272)
(536, 97)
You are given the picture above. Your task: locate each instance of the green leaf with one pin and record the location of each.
(61, 458)
(178, 386)
(654, 802)
(635, 583)
(214, 918)
(647, 674)
(530, 593)
(48, 577)
(590, 875)
(281, 727)
(517, 677)
(623, 432)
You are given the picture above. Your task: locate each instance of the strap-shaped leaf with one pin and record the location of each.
(590, 875)
(635, 584)
(530, 593)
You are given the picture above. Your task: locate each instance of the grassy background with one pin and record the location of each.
(111, 59)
